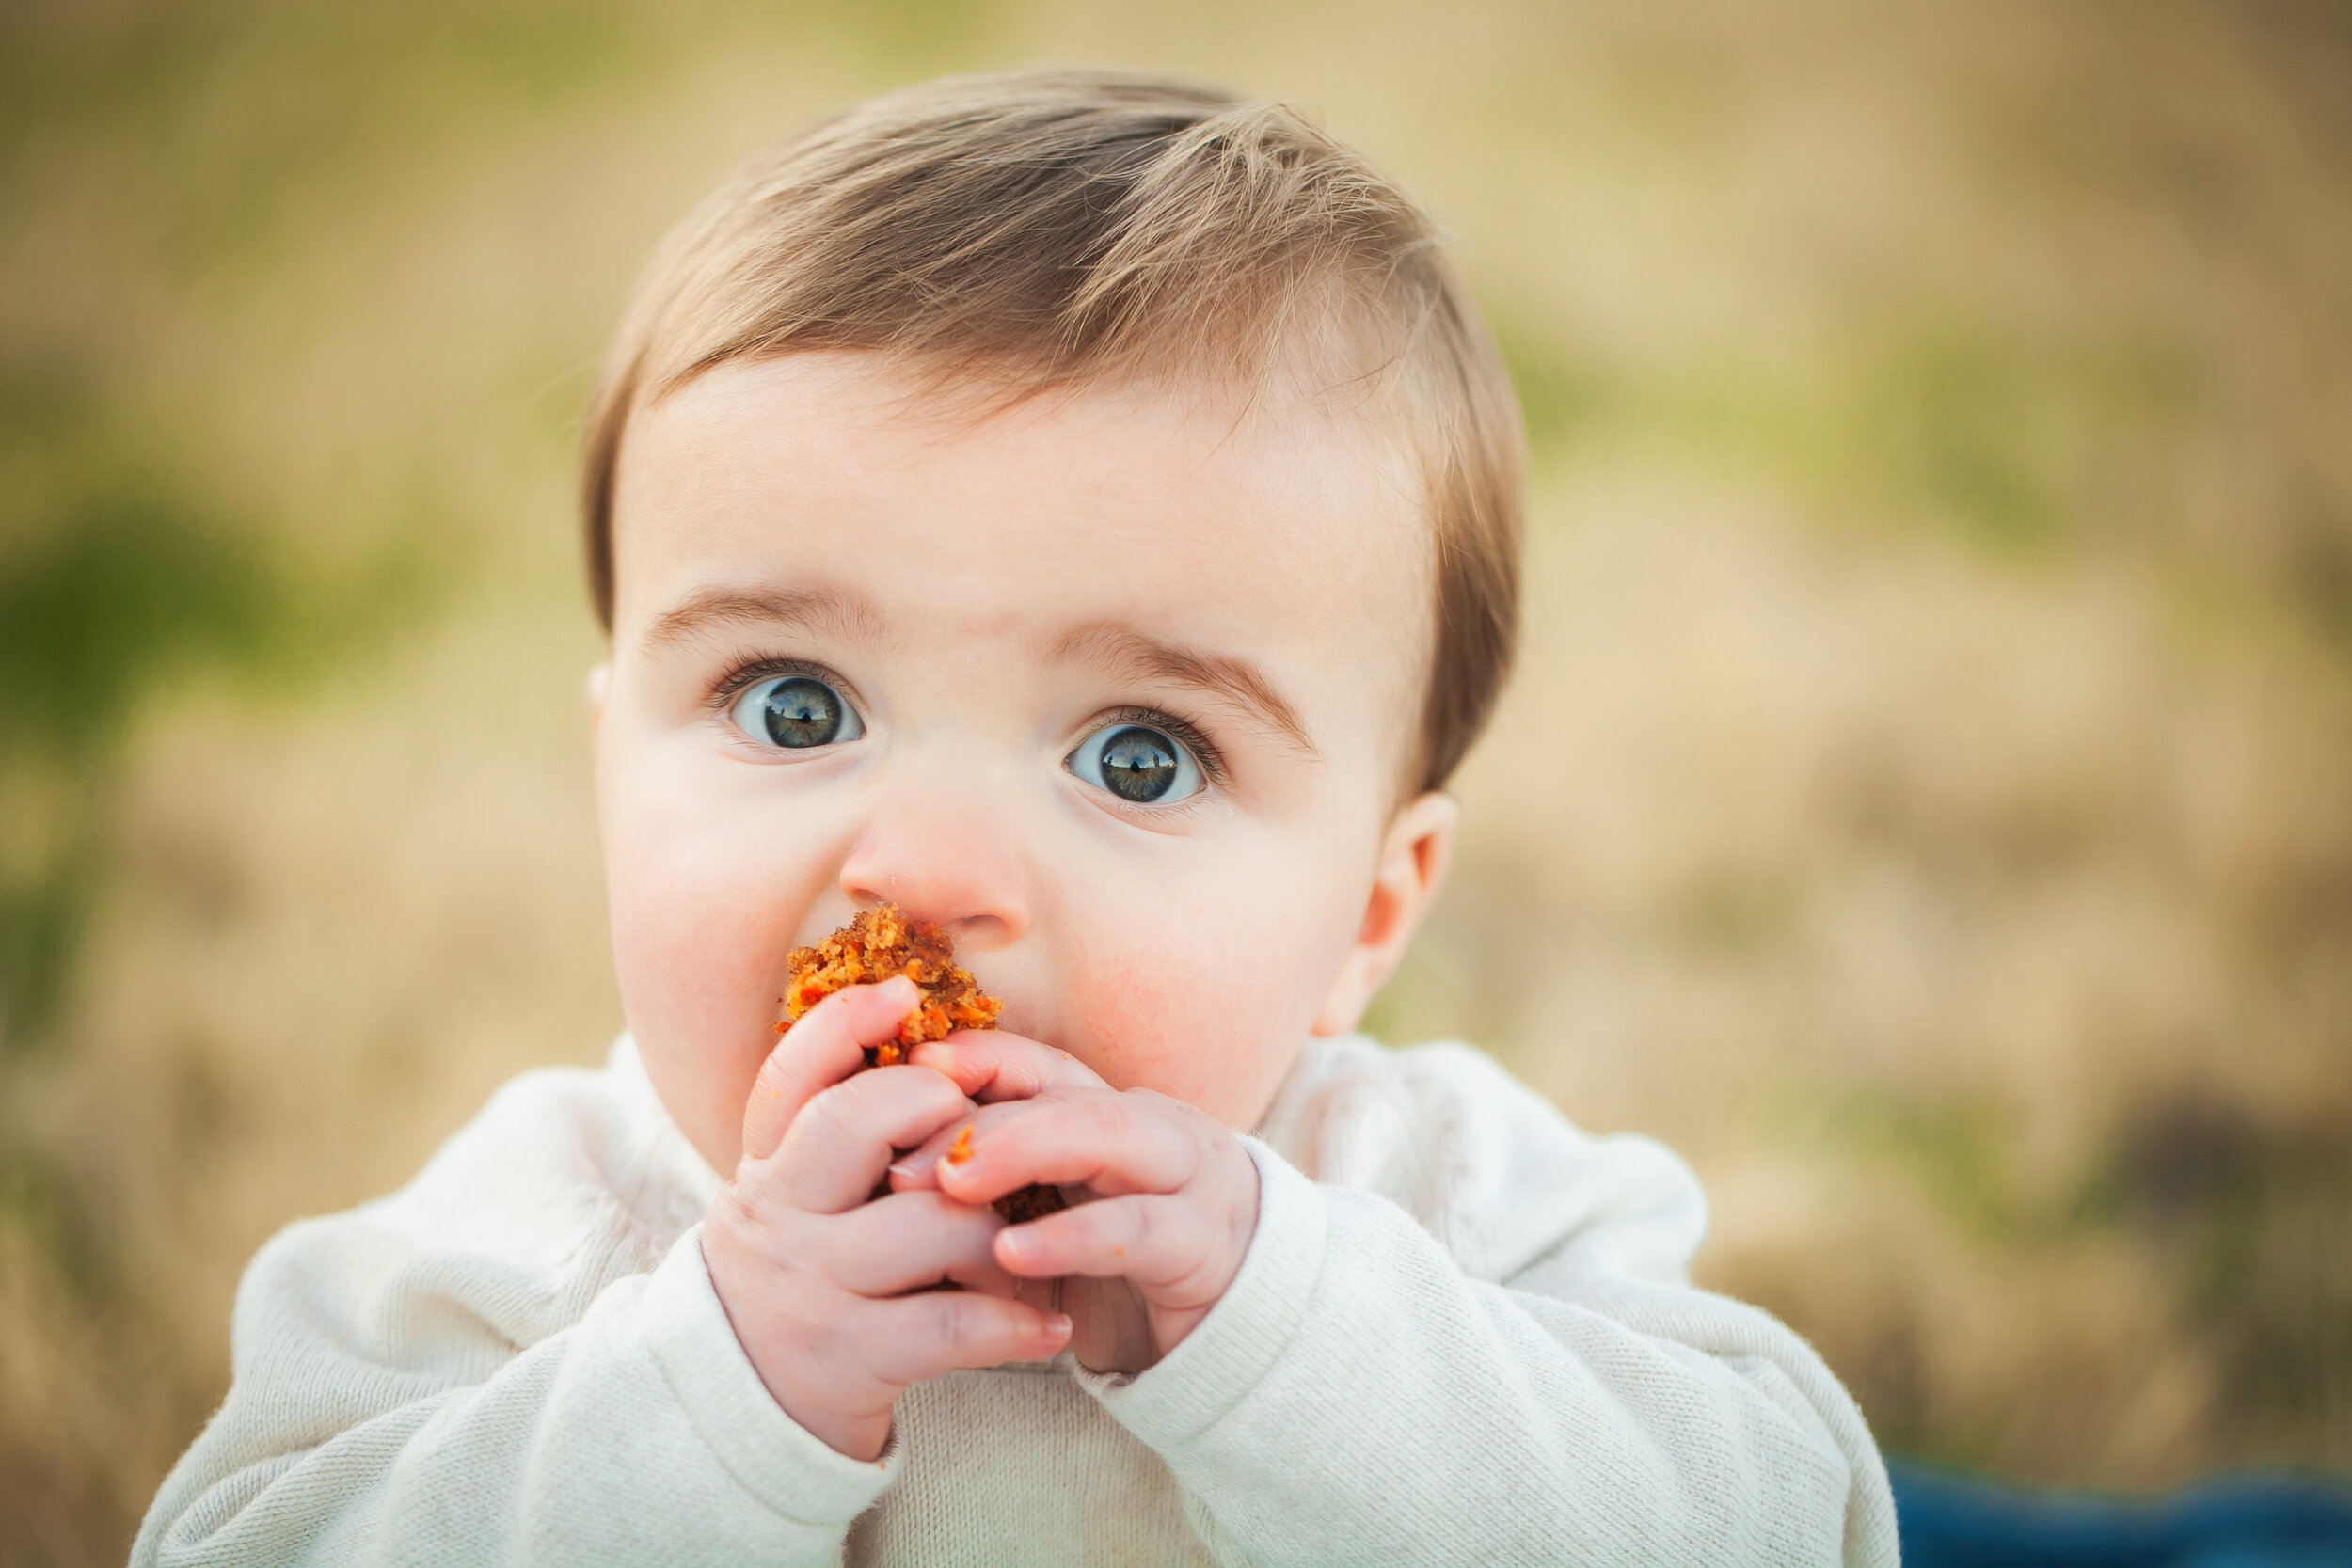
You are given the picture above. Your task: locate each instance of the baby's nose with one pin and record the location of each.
(944, 859)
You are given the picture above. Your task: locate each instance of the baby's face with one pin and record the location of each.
(1117, 687)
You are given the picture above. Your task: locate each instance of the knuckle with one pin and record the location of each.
(739, 1207)
(811, 1030)
(1196, 1284)
(830, 1339)
(871, 1230)
(937, 1092)
(909, 1223)
(751, 1215)
(776, 1074)
(853, 1343)
(934, 1083)
(960, 1326)
(947, 1216)
(1170, 1109)
(821, 1117)
(836, 1111)
(1107, 1116)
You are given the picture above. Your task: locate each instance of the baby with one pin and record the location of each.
(1082, 510)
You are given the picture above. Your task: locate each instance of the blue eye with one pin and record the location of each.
(797, 712)
(1137, 763)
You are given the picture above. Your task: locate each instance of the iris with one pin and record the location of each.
(796, 712)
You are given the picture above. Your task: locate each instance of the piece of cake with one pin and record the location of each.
(876, 944)
(881, 943)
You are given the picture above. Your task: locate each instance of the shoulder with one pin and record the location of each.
(1489, 1166)
(566, 1179)
(553, 1150)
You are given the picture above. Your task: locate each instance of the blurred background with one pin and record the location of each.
(1926, 799)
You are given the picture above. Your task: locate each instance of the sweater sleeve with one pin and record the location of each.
(404, 1395)
(1360, 1397)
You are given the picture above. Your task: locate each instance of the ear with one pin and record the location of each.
(1413, 856)
(600, 688)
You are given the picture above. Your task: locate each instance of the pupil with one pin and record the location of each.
(1139, 764)
(802, 712)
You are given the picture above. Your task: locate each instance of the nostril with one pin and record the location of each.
(945, 860)
(982, 933)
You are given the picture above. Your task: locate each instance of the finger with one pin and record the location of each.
(1136, 1142)
(1174, 1248)
(996, 1064)
(827, 1045)
(908, 1338)
(844, 1138)
(909, 1240)
(918, 1166)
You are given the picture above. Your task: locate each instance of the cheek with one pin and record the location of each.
(702, 917)
(1212, 1014)
(692, 973)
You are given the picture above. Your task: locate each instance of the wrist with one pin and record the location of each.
(805, 1389)
(1254, 1325)
(797, 1381)
(702, 1362)
(1237, 1217)
(859, 1437)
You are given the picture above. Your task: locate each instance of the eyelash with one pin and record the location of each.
(751, 671)
(743, 677)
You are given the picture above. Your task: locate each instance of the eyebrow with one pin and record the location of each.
(710, 609)
(1235, 682)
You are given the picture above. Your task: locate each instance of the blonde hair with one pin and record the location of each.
(1038, 230)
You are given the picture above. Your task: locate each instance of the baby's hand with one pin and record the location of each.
(1177, 1194)
(814, 1277)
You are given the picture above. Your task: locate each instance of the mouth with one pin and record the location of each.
(885, 944)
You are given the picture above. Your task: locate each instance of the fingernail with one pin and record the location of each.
(910, 1167)
(1057, 1325)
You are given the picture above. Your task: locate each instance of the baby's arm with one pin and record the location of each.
(412, 1387)
(1356, 1399)
(496, 1365)
(401, 1425)
(1354, 1395)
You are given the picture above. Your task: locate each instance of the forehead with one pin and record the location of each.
(1287, 527)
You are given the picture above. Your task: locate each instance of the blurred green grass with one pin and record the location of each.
(1922, 799)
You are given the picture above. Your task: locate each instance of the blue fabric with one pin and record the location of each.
(1953, 1521)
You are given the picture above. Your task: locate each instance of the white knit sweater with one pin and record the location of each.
(1463, 1334)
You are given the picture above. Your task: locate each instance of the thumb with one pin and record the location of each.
(828, 1044)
